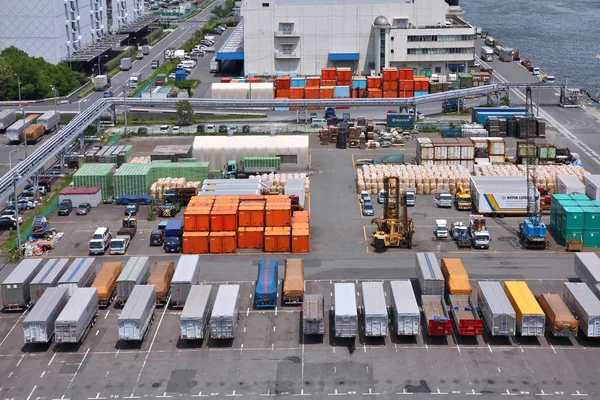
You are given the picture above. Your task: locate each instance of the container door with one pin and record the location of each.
(345, 327)
(408, 325)
(594, 328)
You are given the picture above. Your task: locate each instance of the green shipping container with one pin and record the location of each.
(591, 238)
(585, 203)
(262, 162)
(215, 174)
(96, 175)
(132, 179)
(571, 234)
(573, 218)
(560, 197)
(191, 171)
(188, 160)
(455, 84)
(591, 217)
(578, 196)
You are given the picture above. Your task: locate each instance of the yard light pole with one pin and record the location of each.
(14, 176)
(54, 93)
(19, 89)
(125, 104)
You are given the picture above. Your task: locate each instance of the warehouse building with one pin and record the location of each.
(303, 36)
(61, 30)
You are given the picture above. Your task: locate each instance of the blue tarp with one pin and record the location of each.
(133, 199)
(265, 295)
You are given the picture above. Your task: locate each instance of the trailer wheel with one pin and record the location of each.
(379, 244)
(404, 243)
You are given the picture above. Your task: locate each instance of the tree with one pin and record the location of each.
(185, 113)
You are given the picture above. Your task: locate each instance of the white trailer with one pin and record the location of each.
(81, 273)
(193, 319)
(78, 316)
(375, 313)
(186, 275)
(49, 275)
(585, 306)
(50, 120)
(224, 316)
(406, 316)
(499, 195)
(138, 313)
(7, 118)
(346, 316)
(38, 326)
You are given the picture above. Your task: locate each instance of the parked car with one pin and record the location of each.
(222, 128)
(107, 94)
(84, 209)
(233, 129)
(164, 129)
(210, 128)
(246, 129)
(132, 209)
(364, 196)
(65, 207)
(30, 189)
(200, 128)
(7, 224)
(22, 204)
(367, 209)
(157, 238)
(46, 184)
(12, 215)
(176, 129)
(172, 76)
(217, 31)
(142, 130)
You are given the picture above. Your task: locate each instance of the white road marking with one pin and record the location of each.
(97, 332)
(11, 374)
(52, 359)
(11, 329)
(405, 392)
(578, 394)
(542, 393)
(22, 357)
(233, 394)
(43, 373)
(474, 392)
(244, 329)
(164, 395)
(200, 395)
(499, 370)
(31, 393)
(371, 393)
(273, 329)
(490, 347)
(106, 315)
(553, 348)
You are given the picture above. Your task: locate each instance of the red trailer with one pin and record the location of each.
(438, 323)
(465, 316)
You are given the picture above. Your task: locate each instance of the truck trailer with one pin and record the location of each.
(161, 277)
(499, 195)
(48, 277)
(7, 118)
(15, 132)
(293, 281)
(406, 317)
(559, 320)
(265, 292)
(194, 317)
(135, 272)
(50, 120)
(38, 326)
(429, 274)
(436, 317)
(106, 282)
(585, 306)
(225, 312)
(375, 312)
(313, 315)
(81, 272)
(346, 316)
(16, 292)
(465, 315)
(530, 316)
(498, 314)
(34, 133)
(587, 269)
(138, 313)
(185, 276)
(78, 316)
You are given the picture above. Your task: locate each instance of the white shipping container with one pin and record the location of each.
(499, 195)
(346, 316)
(424, 149)
(429, 274)
(186, 275)
(497, 159)
(568, 184)
(498, 314)
(479, 143)
(224, 316)
(76, 319)
(38, 326)
(592, 186)
(454, 152)
(81, 272)
(193, 318)
(585, 306)
(375, 312)
(138, 313)
(406, 316)
(440, 152)
(467, 152)
(496, 146)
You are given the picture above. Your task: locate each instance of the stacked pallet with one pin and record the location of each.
(171, 152)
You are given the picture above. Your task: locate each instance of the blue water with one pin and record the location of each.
(559, 36)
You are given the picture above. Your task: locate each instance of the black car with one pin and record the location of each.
(7, 224)
(142, 130)
(200, 129)
(246, 129)
(65, 207)
(132, 209)
(222, 128)
(217, 32)
(157, 238)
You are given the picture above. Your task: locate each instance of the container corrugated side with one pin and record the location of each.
(38, 326)
(135, 272)
(16, 287)
(186, 275)
(498, 314)
(134, 320)
(405, 309)
(375, 311)
(96, 175)
(587, 269)
(161, 277)
(106, 282)
(81, 272)
(132, 178)
(346, 317)
(224, 316)
(530, 316)
(193, 318)
(457, 279)
(74, 322)
(293, 281)
(313, 315)
(585, 305)
(429, 274)
(48, 276)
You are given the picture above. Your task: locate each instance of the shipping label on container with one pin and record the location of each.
(506, 202)
(401, 120)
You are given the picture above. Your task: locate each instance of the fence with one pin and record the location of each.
(46, 212)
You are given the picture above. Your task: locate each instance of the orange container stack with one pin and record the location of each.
(406, 88)
(375, 93)
(344, 76)
(300, 232)
(222, 242)
(313, 81)
(277, 239)
(405, 74)
(282, 87)
(251, 237)
(312, 92)
(251, 214)
(196, 225)
(195, 242)
(328, 74)
(223, 217)
(421, 83)
(373, 82)
(296, 93)
(326, 92)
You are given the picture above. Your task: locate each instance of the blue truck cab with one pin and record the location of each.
(173, 236)
(265, 294)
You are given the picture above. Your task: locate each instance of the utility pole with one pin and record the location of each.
(15, 178)
(22, 111)
(54, 93)
(125, 104)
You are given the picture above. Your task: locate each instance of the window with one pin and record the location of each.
(288, 159)
(459, 50)
(265, 4)
(438, 70)
(286, 48)
(286, 28)
(440, 38)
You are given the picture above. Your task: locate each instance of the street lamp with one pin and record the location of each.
(125, 104)
(54, 93)
(19, 88)
(16, 202)
(100, 63)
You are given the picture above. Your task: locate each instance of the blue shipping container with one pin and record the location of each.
(421, 93)
(341, 91)
(483, 116)
(359, 83)
(179, 75)
(298, 82)
(401, 120)
(475, 110)
(174, 227)
(265, 294)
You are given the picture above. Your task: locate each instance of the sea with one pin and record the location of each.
(559, 36)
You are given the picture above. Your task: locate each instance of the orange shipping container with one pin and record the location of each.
(222, 242)
(457, 279)
(251, 238)
(252, 197)
(405, 94)
(312, 92)
(161, 277)
(328, 73)
(195, 243)
(277, 239)
(282, 93)
(390, 85)
(390, 94)
(313, 81)
(106, 282)
(278, 215)
(405, 74)
(390, 74)
(251, 215)
(253, 79)
(196, 219)
(375, 93)
(283, 82)
(227, 199)
(373, 82)
(223, 218)
(300, 216)
(300, 241)
(344, 74)
(297, 93)
(299, 225)
(278, 198)
(406, 85)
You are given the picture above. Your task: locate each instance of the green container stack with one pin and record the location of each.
(191, 171)
(96, 175)
(575, 217)
(132, 179)
(262, 162)
(465, 79)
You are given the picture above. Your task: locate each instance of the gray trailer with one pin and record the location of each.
(14, 133)
(194, 317)
(429, 274)
(138, 313)
(16, 286)
(186, 275)
(225, 313)
(135, 272)
(585, 306)
(498, 314)
(7, 118)
(50, 120)
(587, 269)
(78, 316)
(81, 272)
(375, 312)
(406, 316)
(48, 276)
(313, 314)
(38, 326)
(346, 317)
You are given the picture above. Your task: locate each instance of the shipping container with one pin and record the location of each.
(81, 272)
(313, 315)
(346, 317)
(96, 175)
(34, 133)
(265, 292)
(293, 281)
(406, 317)
(193, 320)
(224, 316)
(436, 317)
(106, 282)
(581, 301)
(7, 118)
(499, 195)
(48, 276)
(16, 287)
(375, 312)
(50, 120)
(592, 186)
(186, 275)
(559, 319)
(429, 274)
(132, 178)
(161, 277)
(498, 314)
(135, 272)
(568, 184)
(457, 279)
(587, 269)
(78, 316)
(530, 316)
(138, 313)
(38, 326)
(465, 315)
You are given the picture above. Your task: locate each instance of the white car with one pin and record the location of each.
(233, 129)
(208, 49)
(22, 204)
(176, 129)
(477, 64)
(210, 129)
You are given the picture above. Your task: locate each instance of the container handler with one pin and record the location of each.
(395, 229)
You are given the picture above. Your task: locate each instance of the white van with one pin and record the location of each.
(210, 129)
(164, 129)
(550, 78)
(210, 37)
(100, 241)
(188, 64)
(535, 71)
(318, 122)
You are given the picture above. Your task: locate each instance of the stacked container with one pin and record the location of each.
(196, 225)
(106, 282)
(251, 222)
(390, 83)
(96, 175)
(132, 178)
(223, 225)
(185, 276)
(301, 232)
(575, 217)
(278, 216)
(48, 277)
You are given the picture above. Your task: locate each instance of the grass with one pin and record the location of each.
(163, 35)
(198, 10)
(86, 92)
(165, 68)
(196, 120)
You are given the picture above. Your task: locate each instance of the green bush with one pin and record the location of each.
(130, 52)
(153, 37)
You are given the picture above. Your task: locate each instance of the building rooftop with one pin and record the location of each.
(94, 50)
(233, 48)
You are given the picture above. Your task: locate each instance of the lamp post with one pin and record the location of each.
(125, 104)
(54, 93)
(14, 176)
(19, 89)
(100, 63)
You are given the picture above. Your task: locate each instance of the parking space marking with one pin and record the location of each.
(578, 394)
(31, 393)
(97, 397)
(13, 328)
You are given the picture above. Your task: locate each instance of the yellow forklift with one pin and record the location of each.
(395, 229)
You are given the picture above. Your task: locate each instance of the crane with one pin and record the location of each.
(532, 230)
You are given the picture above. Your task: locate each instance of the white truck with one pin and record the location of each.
(180, 54)
(410, 195)
(101, 82)
(125, 64)
(134, 80)
(441, 229)
(215, 65)
(480, 237)
(500, 195)
(443, 198)
(119, 244)
(50, 120)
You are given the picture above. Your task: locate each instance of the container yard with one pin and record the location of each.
(345, 312)
(530, 316)
(160, 278)
(497, 312)
(106, 282)
(225, 313)
(193, 321)
(265, 295)
(16, 293)
(185, 276)
(77, 317)
(375, 312)
(138, 313)
(135, 272)
(80, 273)
(38, 326)
(48, 277)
